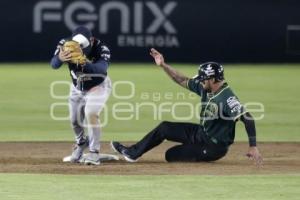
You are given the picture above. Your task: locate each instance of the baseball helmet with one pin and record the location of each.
(210, 70)
(82, 35)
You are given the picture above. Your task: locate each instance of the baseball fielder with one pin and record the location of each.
(88, 60)
(209, 140)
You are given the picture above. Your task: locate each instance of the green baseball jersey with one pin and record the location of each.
(219, 112)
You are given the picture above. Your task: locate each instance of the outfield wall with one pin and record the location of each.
(186, 31)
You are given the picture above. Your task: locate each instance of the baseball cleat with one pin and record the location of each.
(91, 158)
(119, 148)
(77, 153)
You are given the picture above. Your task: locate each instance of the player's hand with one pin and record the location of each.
(254, 154)
(158, 57)
(64, 56)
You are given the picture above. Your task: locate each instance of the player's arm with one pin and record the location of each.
(249, 123)
(173, 74)
(60, 56)
(101, 65)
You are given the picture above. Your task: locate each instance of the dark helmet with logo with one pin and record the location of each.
(210, 70)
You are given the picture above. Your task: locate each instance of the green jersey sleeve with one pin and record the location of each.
(194, 86)
(233, 109)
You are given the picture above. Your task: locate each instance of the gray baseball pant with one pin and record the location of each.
(85, 108)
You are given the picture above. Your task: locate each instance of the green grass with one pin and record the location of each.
(25, 100)
(49, 187)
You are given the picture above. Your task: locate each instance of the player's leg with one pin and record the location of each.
(95, 102)
(195, 153)
(76, 109)
(185, 133)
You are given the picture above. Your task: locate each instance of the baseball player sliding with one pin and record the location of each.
(209, 140)
(88, 60)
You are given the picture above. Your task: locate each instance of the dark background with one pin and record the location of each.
(226, 31)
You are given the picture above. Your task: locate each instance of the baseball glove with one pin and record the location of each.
(77, 57)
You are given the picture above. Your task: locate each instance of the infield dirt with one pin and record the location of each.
(46, 157)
